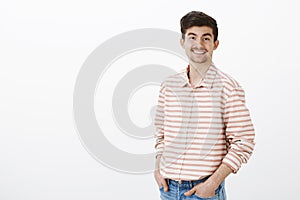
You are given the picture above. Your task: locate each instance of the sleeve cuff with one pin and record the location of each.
(232, 162)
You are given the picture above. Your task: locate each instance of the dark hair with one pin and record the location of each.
(196, 18)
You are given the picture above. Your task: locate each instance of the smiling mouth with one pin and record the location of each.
(198, 52)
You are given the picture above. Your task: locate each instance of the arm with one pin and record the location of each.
(208, 188)
(239, 130)
(218, 176)
(160, 180)
(159, 146)
(159, 122)
(240, 137)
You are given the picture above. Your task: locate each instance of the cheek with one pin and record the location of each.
(210, 47)
(190, 43)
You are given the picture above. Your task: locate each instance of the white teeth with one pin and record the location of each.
(199, 52)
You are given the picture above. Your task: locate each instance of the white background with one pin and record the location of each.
(43, 45)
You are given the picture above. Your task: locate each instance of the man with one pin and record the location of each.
(204, 130)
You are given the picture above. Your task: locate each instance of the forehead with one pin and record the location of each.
(199, 30)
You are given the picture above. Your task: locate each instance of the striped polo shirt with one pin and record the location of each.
(200, 127)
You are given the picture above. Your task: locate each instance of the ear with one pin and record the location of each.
(216, 44)
(182, 42)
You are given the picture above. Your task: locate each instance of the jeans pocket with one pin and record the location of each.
(161, 189)
(219, 194)
(215, 197)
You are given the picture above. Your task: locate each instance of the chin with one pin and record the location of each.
(199, 61)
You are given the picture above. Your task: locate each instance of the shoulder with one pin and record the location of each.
(176, 79)
(227, 80)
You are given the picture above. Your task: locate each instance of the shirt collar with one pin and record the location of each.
(208, 83)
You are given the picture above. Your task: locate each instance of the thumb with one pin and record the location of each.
(165, 185)
(190, 192)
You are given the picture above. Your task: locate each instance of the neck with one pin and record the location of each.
(198, 71)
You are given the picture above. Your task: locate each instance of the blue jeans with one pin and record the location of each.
(176, 191)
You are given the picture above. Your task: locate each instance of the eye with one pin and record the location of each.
(206, 39)
(192, 38)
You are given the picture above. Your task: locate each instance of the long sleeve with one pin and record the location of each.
(239, 130)
(159, 121)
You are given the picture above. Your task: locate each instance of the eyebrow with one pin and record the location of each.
(191, 34)
(205, 34)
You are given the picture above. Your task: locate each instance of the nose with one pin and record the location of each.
(199, 43)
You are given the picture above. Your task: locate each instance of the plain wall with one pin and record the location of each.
(43, 45)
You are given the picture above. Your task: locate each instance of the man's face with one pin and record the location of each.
(199, 44)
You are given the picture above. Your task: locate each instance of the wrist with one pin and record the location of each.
(212, 183)
(157, 163)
